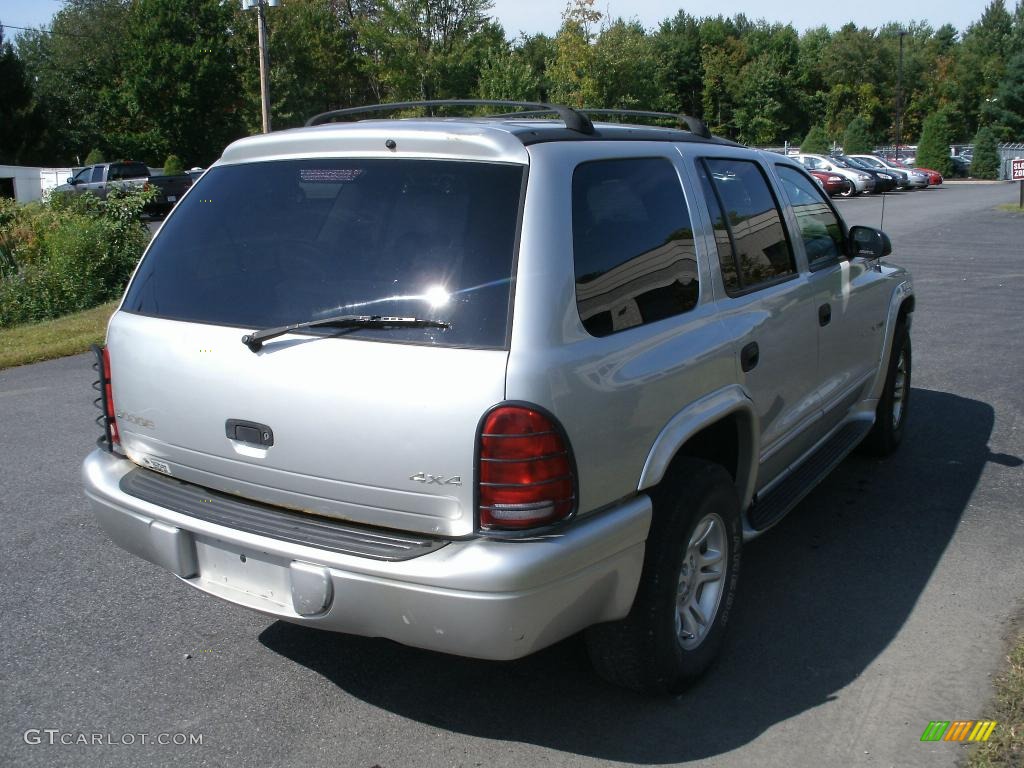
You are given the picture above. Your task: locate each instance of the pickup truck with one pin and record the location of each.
(128, 174)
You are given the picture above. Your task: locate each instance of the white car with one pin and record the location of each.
(862, 182)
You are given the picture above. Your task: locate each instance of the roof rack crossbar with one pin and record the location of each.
(574, 120)
(694, 125)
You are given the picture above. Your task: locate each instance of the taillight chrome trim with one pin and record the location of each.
(568, 454)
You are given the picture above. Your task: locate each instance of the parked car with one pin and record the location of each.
(934, 177)
(322, 399)
(862, 181)
(915, 179)
(833, 183)
(885, 181)
(901, 179)
(99, 179)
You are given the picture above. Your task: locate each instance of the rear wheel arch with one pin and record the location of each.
(726, 436)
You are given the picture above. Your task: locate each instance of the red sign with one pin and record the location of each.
(1017, 169)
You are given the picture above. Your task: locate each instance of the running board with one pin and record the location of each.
(773, 506)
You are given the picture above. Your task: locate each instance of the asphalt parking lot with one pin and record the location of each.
(882, 602)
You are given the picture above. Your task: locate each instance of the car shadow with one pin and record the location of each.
(821, 596)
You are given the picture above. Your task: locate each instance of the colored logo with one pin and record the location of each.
(958, 730)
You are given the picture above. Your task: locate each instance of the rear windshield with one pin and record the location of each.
(273, 243)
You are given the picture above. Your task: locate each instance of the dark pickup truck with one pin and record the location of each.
(128, 174)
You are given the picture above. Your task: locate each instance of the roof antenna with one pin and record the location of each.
(881, 221)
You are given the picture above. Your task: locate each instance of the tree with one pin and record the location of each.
(815, 142)
(16, 108)
(572, 69)
(505, 74)
(1005, 112)
(95, 157)
(680, 72)
(934, 145)
(856, 138)
(77, 74)
(180, 78)
(626, 67)
(985, 164)
(173, 165)
(427, 49)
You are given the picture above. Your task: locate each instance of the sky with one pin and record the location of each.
(533, 16)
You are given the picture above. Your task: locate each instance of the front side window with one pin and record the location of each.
(632, 244)
(819, 226)
(753, 250)
(263, 244)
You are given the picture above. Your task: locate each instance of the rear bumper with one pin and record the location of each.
(479, 597)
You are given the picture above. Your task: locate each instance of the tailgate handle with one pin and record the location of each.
(249, 432)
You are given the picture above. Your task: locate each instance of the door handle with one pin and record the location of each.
(750, 355)
(824, 314)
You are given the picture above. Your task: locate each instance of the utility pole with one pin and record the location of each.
(261, 26)
(899, 97)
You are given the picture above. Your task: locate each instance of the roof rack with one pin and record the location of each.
(693, 125)
(574, 120)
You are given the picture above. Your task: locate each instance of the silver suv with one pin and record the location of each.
(478, 384)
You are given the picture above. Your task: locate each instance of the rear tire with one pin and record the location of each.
(891, 415)
(691, 569)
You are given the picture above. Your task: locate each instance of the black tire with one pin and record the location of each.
(645, 651)
(850, 192)
(891, 415)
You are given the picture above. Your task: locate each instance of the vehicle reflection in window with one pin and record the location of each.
(632, 244)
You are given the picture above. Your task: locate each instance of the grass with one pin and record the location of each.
(1005, 748)
(66, 335)
(1012, 208)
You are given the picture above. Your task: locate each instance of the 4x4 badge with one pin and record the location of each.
(428, 479)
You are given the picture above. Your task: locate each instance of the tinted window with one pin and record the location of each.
(127, 171)
(272, 243)
(751, 241)
(819, 226)
(97, 173)
(632, 244)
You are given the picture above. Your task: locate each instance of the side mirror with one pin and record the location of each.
(70, 180)
(869, 242)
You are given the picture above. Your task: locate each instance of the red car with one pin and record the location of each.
(934, 177)
(833, 183)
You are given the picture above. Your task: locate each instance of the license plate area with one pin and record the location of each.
(226, 566)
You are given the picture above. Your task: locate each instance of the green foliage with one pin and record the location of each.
(426, 49)
(17, 116)
(572, 69)
(173, 165)
(933, 149)
(1005, 111)
(985, 164)
(505, 74)
(816, 142)
(68, 254)
(94, 157)
(856, 139)
(141, 78)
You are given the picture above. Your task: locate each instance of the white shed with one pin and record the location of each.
(25, 183)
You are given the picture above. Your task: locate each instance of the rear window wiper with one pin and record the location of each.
(254, 341)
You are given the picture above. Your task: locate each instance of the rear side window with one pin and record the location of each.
(819, 225)
(752, 246)
(97, 173)
(273, 243)
(632, 244)
(127, 171)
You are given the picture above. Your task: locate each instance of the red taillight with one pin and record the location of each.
(105, 402)
(525, 477)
